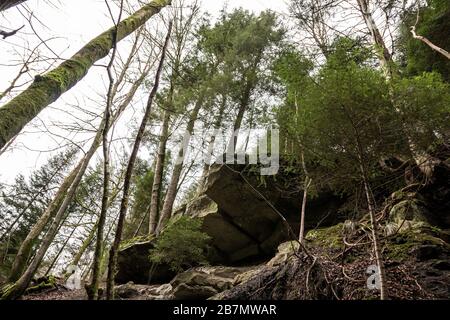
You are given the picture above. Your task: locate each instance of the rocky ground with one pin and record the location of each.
(251, 222)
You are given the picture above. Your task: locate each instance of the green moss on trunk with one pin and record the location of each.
(49, 87)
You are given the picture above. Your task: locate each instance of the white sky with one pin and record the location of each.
(71, 23)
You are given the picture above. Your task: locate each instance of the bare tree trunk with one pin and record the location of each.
(171, 193)
(127, 183)
(376, 245)
(424, 161)
(429, 43)
(85, 245)
(306, 185)
(159, 172)
(92, 289)
(232, 145)
(384, 54)
(49, 87)
(55, 259)
(26, 246)
(217, 124)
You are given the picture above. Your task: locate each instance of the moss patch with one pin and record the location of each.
(400, 246)
(327, 237)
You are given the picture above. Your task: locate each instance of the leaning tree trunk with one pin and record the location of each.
(306, 185)
(159, 168)
(26, 246)
(68, 238)
(84, 245)
(21, 258)
(49, 87)
(171, 193)
(232, 144)
(112, 265)
(384, 54)
(424, 161)
(92, 289)
(6, 4)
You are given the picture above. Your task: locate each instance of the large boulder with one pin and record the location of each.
(248, 215)
(134, 264)
(205, 282)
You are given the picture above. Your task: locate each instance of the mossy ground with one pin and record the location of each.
(331, 237)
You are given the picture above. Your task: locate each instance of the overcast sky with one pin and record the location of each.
(69, 24)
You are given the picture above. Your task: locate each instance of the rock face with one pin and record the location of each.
(133, 291)
(205, 282)
(134, 264)
(248, 218)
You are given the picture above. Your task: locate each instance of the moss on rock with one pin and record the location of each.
(330, 237)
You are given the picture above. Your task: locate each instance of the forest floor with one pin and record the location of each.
(59, 293)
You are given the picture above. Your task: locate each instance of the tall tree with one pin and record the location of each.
(49, 87)
(112, 265)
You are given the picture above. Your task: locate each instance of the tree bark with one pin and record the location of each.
(112, 265)
(159, 169)
(376, 245)
(55, 259)
(306, 185)
(92, 289)
(26, 246)
(429, 43)
(84, 245)
(383, 53)
(212, 141)
(171, 193)
(49, 87)
(424, 161)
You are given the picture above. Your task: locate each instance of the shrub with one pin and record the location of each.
(181, 245)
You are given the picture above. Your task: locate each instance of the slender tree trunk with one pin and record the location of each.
(212, 141)
(306, 185)
(92, 289)
(232, 145)
(26, 246)
(6, 4)
(429, 43)
(424, 161)
(376, 245)
(383, 52)
(159, 172)
(127, 183)
(171, 193)
(55, 259)
(49, 87)
(84, 245)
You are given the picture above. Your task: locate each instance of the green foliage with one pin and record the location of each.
(142, 187)
(181, 245)
(425, 102)
(434, 24)
(22, 203)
